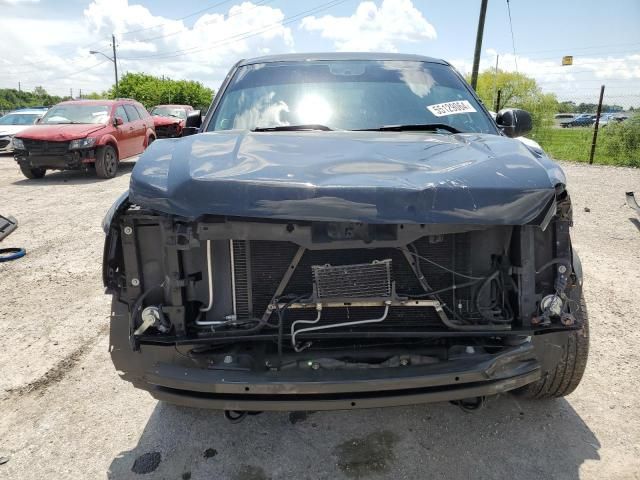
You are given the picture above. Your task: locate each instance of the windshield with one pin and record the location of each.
(169, 112)
(76, 114)
(19, 119)
(348, 95)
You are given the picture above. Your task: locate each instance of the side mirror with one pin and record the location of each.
(192, 124)
(117, 121)
(514, 122)
(38, 120)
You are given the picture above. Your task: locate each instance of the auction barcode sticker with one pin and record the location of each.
(451, 108)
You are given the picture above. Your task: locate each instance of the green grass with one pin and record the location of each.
(575, 144)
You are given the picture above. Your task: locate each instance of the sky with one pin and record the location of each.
(47, 42)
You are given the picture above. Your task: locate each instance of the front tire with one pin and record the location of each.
(107, 162)
(566, 376)
(33, 172)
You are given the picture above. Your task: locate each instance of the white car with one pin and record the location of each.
(16, 121)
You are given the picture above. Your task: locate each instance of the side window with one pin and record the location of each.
(142, 112)
(120, 112)
(132, 113)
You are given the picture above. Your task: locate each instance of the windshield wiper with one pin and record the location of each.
(412, 127)
(293, 128)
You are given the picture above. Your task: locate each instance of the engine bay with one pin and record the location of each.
(247, 293)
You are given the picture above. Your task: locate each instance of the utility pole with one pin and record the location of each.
(80, 94)
(595, 127)
(115, 60)
(19, 87)
(476, 55)
(495, 80)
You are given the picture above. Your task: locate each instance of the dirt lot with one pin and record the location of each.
(66, 414)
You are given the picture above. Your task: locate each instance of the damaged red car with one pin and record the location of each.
(84, 134)
(169, 120)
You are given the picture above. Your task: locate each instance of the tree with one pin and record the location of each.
(10, 98)
(95, 96)
(519, 91)
(150, 91)
(567, 107)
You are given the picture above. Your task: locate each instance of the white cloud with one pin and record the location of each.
(580, 82)
(17, 2)
(373, 28)
(54, 52)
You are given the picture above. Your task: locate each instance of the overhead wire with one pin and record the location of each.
(513, 41)
(261, 3)
(189, 15)
(241, 36)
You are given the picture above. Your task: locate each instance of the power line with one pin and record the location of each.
(588, 55)
(566, 49)
(193, 14)
(263, 2)
(513, 41)
(240, 36)
(177, 32)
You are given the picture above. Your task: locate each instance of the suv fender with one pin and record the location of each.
(151, 136)
(108, 140)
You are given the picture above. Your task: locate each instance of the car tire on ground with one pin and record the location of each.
(106, 162)
(33, 172)
(566, 377)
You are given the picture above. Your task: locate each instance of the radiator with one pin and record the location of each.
(260, 265)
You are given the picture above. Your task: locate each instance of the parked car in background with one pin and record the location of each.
(80, 134)
(582, 120)
(345, 230)
(611, 118)
(16, 121)
(563, 118)
(169, 119)
(606, 118)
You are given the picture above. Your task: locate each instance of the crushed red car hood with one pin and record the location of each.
(60, 132)
(160, 121)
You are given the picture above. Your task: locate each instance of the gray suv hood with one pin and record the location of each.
(372, 177)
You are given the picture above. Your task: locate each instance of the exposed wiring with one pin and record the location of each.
(562, 261)
(447, 289)
(470, 277)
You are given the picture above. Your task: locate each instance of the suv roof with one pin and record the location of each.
(174, 105)
(98, 102)
(300, 57)
(29, 111)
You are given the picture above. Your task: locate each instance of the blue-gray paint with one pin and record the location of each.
(370, 177)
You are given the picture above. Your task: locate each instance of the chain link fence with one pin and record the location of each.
(569, 133)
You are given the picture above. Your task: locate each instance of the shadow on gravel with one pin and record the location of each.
(73, 177)
(510, 438)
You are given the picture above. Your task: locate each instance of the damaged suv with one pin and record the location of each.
(345, 231)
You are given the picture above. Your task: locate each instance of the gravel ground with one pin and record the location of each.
(66, 414)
